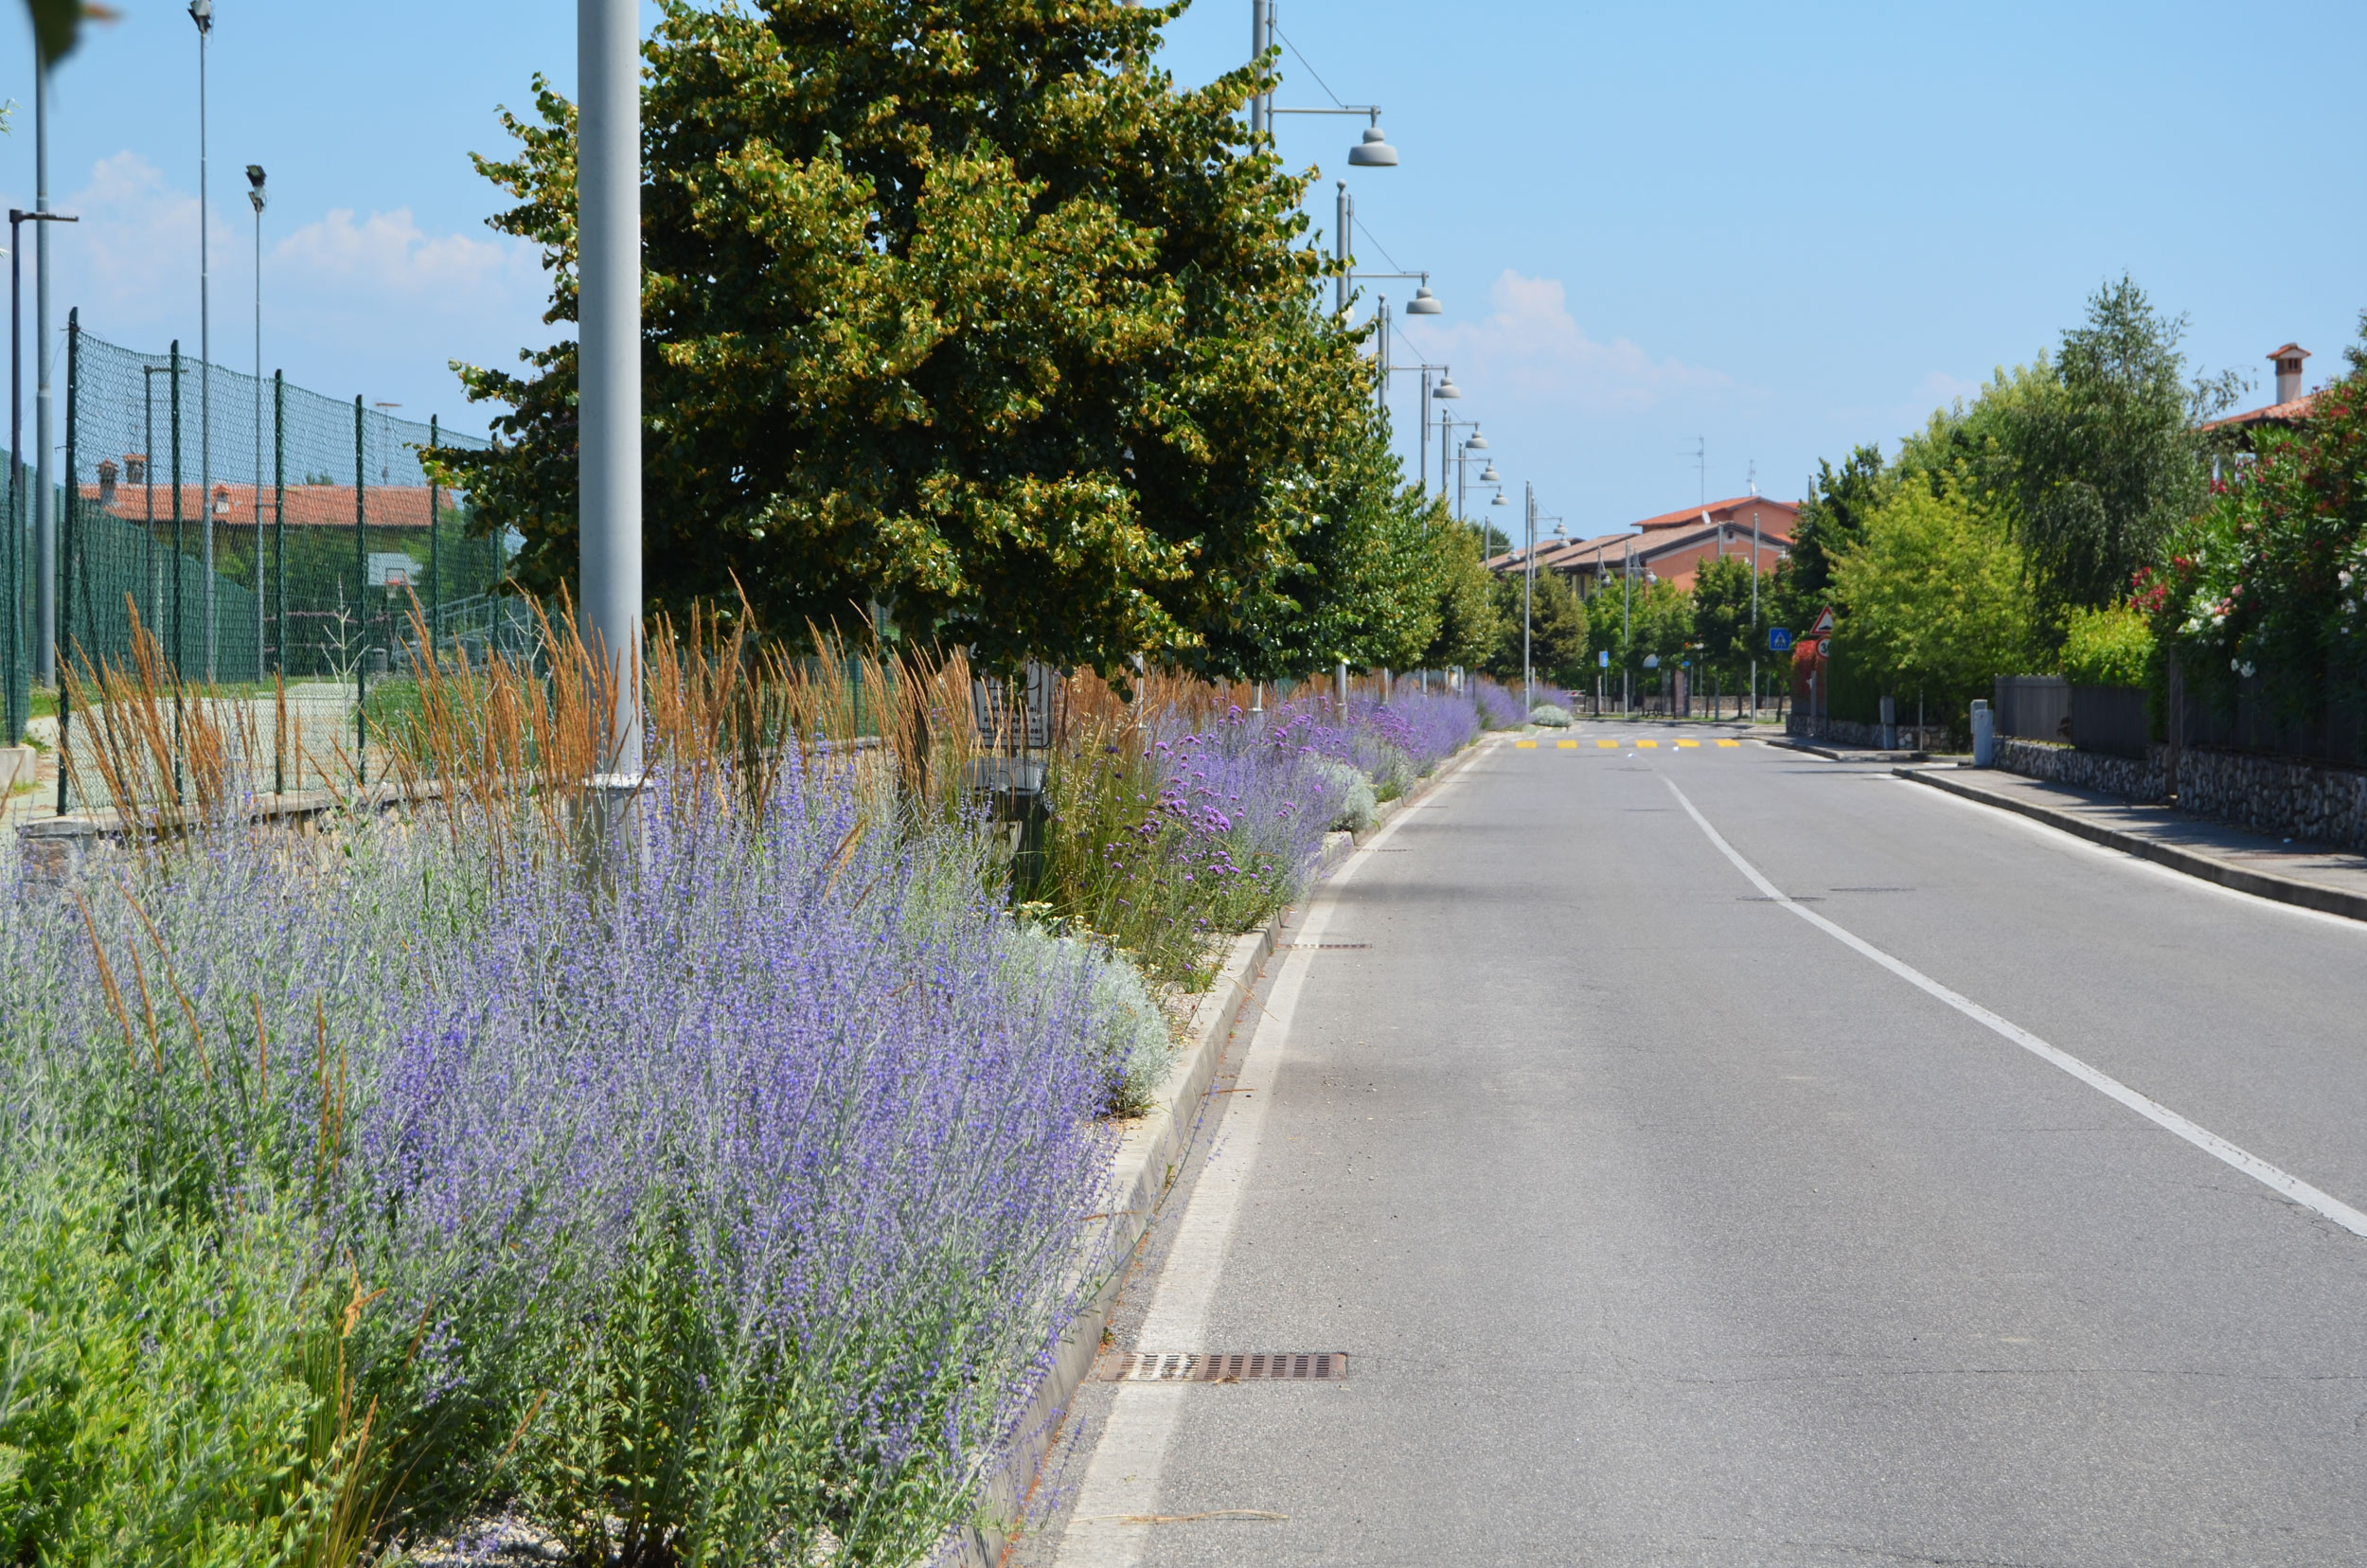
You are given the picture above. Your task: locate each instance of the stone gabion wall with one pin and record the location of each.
(2100, 771)
(2302, 801)
(1843, 732)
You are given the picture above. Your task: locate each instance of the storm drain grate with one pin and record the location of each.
(1221, 1366)
(1325, 945)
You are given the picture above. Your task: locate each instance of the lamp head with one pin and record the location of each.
(1477, 443)
(1446, 387)
(1489, 476)
(201, 12)
(1424, 303)
(1373, 151)
(1500, 500)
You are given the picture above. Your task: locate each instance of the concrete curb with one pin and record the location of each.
(1832, 756)
(2329, 900)
(1140, 1175)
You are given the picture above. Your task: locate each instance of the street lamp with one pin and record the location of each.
(255, 195)
(201, 12)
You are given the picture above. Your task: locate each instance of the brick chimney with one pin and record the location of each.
(2288, 362)
(135, 468)
(106, 482)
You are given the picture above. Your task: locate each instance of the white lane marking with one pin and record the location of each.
(1121, 1480)
(2322, 1204)
(2060, 838)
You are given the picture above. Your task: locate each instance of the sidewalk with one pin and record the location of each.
(2312, 876)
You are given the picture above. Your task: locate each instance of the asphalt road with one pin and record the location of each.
(1662, 1226)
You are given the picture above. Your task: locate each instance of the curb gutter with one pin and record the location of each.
(1145, 1167)
(2265, 885)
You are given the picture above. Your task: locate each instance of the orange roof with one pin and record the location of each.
(2291, 412)
(308, 505)
(1725, 511)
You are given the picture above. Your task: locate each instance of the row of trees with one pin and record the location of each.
(1713, 628)
(965, 323)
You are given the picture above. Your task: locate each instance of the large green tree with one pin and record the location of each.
(954, 309)
(1936, 598)
(2101, 461)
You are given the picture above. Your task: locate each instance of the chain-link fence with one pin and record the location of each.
(262, 534)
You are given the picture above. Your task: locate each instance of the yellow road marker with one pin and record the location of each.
(1649, 745)
(1608, 746)
(1524, 745)
(1729, 742)
(1695, 744)
(1565, 746)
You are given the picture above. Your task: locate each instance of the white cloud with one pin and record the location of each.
(388, 251)
(1530, 345)
(135, 247)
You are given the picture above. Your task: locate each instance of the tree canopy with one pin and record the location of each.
(958, 311)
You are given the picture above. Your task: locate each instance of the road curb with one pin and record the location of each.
(1787, 743)
(2328, 900)
(1144, 1168)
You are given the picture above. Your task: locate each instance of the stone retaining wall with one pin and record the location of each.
(2304, 800)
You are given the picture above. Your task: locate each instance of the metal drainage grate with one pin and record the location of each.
(1223, 1366)
(1325, 945)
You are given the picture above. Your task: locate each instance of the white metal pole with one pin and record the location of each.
(45, 514)
(205, 17)
(608, 220)
(1340, 247)
(1257, 58)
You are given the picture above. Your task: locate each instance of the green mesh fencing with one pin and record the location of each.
(263, 533)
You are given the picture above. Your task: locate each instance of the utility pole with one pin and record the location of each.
(1755, 614)
(1528, 585)
(607, 222)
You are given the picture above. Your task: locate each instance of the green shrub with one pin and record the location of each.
(2110, 648)
(172, 1392)
(1550, 716)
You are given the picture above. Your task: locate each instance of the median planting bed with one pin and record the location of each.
(698, 1175)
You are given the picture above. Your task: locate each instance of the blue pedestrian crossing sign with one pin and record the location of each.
(1602, 658)
(1778, 640)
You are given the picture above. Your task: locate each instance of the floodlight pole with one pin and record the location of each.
(608, 196)
(201, 12)
(255, 195)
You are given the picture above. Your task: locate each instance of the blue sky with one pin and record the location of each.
(1787, 230)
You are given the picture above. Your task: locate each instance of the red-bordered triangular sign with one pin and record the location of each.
(1823, 623)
